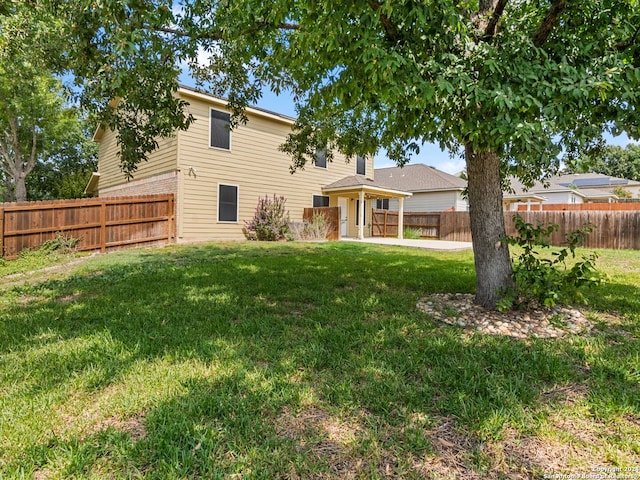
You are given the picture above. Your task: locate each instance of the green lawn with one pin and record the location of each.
(289, 360)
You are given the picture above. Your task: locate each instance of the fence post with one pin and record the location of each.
(172, 221)
(103, 226)
(1, 232)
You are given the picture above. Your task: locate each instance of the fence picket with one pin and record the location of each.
(616, 229)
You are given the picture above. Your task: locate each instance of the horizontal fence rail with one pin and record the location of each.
(620, 205)
(98, 223)
(612, 229)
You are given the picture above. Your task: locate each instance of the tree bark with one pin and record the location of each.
(491, 253)
(20, 189)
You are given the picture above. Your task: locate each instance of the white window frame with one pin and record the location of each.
(230, 136)
(382, 200)
(237, 220)
(319, 195)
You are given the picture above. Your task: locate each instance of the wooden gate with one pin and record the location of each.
(385, 223)
(331, 214)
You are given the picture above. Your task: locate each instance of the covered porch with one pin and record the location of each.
(354, 195)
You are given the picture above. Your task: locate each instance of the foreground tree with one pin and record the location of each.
(512, 84)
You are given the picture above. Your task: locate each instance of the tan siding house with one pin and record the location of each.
(218, 176)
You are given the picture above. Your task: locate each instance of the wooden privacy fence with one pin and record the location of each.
(608, 207)
(99, 223)
(332, 216)
(385, 223)
(613, 229)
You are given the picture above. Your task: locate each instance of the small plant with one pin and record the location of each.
(270, 221)
(62, 243)
(411, 234)
(548, 280)
(316, 229)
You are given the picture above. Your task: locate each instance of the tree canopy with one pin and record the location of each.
(511, 83)
(37, 125)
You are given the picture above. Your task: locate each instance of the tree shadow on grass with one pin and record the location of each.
(208, 345)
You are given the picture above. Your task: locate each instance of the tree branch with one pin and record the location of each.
(31, 163)
(390, 30)
(549, 22)
(14, 142)
(490, 29)
(629, 43)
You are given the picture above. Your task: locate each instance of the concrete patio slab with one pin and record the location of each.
(426, 244)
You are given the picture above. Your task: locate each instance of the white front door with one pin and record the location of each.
(343, 203)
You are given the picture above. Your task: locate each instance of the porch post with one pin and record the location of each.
(401, 218)
(361, 216)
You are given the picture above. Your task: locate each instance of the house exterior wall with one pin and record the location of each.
(431, 202)
(160, 161)
(254, 164)
(188, 167)
(562, 197)
(162, 183)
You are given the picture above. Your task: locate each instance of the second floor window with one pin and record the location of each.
(321, 158)
(220, 134)
(361, 165)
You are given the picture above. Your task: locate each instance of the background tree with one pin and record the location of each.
(510, 84)
(38, 129)
(66, 170)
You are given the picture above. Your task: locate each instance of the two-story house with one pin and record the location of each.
(217, 175)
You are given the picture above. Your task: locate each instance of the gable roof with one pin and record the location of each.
(185, 91)
(359, 182)
(418, 178)
(593, 180)
(560, 184)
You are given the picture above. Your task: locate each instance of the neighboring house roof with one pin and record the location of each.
(564, 184)
(418, 178)
(593, 180)
(359, 182)
(549, 186)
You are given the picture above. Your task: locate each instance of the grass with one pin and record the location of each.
(294, 360)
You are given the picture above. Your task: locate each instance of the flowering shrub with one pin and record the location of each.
(270, 221)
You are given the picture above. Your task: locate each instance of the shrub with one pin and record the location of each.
(412, 233)
(62, 243)
(270, 221)
(316, 229)
(548, 281)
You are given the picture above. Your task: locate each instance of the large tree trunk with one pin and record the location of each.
(491, 253)
(20, 189)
